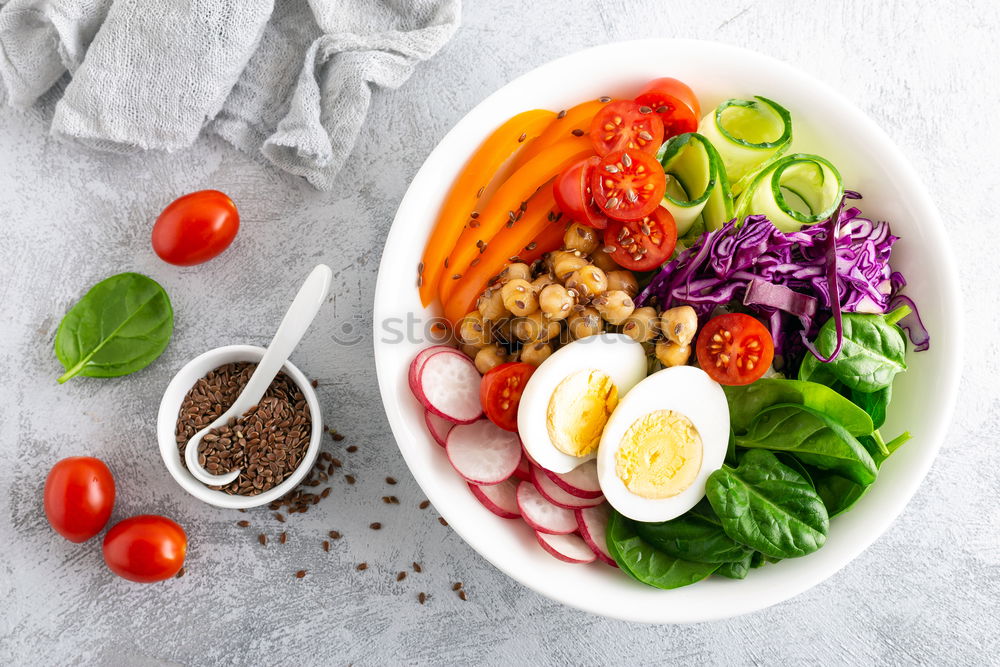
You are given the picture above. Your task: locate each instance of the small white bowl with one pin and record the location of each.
(170, 405)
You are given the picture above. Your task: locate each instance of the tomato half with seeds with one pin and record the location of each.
(622, 125)
(628, 185)
(675, 104)
(500, 392)
(734, 349)
(645, 244)
(573, 195)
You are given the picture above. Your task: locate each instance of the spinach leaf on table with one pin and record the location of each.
(747, 401)
(813, 437)
(874, 351)
(696, 535)
(120, 326)
(769, 507)
(648, 564)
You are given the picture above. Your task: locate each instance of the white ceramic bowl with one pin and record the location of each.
(170, 406)
(824, 123)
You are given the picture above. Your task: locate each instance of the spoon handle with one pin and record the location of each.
(293, 326)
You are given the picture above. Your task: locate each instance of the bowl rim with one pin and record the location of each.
(170, 404)
(946, 385)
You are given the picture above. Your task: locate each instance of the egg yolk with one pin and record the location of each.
(660, 455)
(578, 411)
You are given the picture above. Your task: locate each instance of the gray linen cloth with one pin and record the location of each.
(288, 80)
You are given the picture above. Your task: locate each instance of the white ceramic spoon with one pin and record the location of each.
(293, 326)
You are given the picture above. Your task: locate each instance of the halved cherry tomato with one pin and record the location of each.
(622, 126)
(79, 496)
(734, 349)
(195, 228)
(145, 548)
(573, 196)
(628, 185)
(500, 392)
(642, 245)
(674, 102)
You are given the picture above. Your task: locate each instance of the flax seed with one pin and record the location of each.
(401, 576)
(350, 479)
(243, 524)
(362, 567)
(375, 526)
(351, 449)
(417, 568)
(300, 574)
(334, 534)
(422, 597)
(262, 538)
(424, 505)
(442, 521)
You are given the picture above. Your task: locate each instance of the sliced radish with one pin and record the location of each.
(523, 471)
(438, 426)
(593, 522)
(557, 496)
(542, 515)
(501, 499)
(448, 385)
(482, 452)
(418, 363)
(567, 548)
(581, 481)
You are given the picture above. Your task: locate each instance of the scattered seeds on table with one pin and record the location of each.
(352, 449)
(401, 576)
(336, 463)
(424, 505)
(422, 597)
(375, 526)
(262, 538)
(390, 480)
(334, 535)
(243, 524)
(300, 574)
(283, 538)
(350, 479)
(362, 567)
(462, 595)
(279, 516)
(417, 568)
(457, 585)
(325, 493)
(326, 545)
(336, 436)
(314, 383)
(180, 572)
(442, 521)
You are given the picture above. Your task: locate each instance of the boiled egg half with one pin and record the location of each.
(662, 442)
(568, 400)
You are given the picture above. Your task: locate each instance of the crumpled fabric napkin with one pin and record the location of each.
(290, 81)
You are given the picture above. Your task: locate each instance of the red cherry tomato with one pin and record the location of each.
(642, 245)
(572, 193)
(623, 126)
(145, 548)
(628, 185)
(674, 102)
(195, 228)
(734, 349)
(500, 392)
(79, 496)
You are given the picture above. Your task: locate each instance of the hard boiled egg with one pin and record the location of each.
(662, 442)
(571, 395)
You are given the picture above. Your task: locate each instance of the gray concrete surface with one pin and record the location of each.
(926, 593)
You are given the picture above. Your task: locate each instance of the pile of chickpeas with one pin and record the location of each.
(570, 294)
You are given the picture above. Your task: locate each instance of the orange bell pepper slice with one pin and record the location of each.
(504, 206)
(463, 197)
(575, 118)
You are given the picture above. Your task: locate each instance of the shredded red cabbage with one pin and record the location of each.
(720, 267)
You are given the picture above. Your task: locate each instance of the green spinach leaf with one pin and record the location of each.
(648, 564)
(813, 437)
(840, 494)
(768, 506)
(737, 569)
(695, 535)
(747, 401)
(875, 404)
(874, 351)
(120, 326)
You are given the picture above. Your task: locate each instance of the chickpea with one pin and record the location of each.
(474, 331)
(556, 302)
(515, 271)
(603, 261)
(614, 306)
(583, 323)
(536, 327)
(679, 325)
(671, 354)
(588, 281)
(641, 324)
(623, 280)
(543, 281)
(491, 305)
(469, 350)
(564, 263)
(489, 357)
(582, 238)
(536, 353)
(519, 297)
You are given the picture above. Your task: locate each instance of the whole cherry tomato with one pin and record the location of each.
(195, 228)
(79, 496)
(145, 548)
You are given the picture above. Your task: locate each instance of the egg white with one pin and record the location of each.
(616, 355)
(683, 389)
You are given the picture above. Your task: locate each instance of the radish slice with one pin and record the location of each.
(581, 481)
(418, 363)
(438, 426)
(501, 499)
(593, 522)
(557, 496)
(448, 385)
(523, 471)
(567, 548)
(482, 452)
(542, 515)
